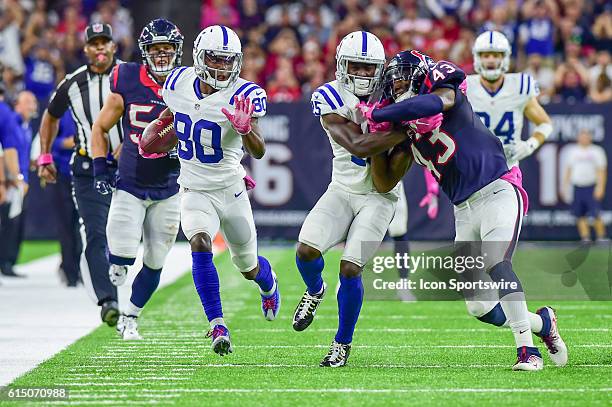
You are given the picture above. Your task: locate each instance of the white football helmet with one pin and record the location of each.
(219, 45)
(491, 41)
(363, 47)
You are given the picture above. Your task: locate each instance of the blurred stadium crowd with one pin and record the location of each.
(289, 46)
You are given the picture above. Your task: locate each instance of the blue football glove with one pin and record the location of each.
(103, 179)
(173, 153)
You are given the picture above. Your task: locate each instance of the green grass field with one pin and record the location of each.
(424, 353)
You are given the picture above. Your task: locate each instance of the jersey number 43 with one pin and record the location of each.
(445, 148)
(194, 136)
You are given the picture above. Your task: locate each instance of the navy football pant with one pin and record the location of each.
(67, 227)
(93, 211)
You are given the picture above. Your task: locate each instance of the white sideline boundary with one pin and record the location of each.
(39, 317)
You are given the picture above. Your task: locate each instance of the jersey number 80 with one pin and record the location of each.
(193, 136)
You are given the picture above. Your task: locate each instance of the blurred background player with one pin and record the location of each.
(471, 169)
(501, 99)
(83, 92)
(586, 173)
(350, 211)
(211, 142)
(61, 192)
(146, 201)
(16, 142)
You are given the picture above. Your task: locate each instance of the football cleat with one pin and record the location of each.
(528, 359)
(110, 312)
(117, 274)
(127, 328)
(220, 340)
(270, 304)
(337, 356)
(306, 309)
(555, 345)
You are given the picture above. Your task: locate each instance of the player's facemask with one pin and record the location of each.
(217, 68)
(403, 81)
(489, 70)
(356, 84)
(161, 62)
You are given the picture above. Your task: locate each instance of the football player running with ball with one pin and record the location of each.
(215, 116)
(351, 210)
(471, 169)
(146, 201)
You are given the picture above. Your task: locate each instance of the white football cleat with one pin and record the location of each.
(529, 359)
(127, 328)
(557, 350)
(117, 274)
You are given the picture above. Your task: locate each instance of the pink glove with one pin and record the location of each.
(427, 124)
(249, 182)
(431, 198)
(150, 156)
(463, 87)
(241, 119)
(366, 110)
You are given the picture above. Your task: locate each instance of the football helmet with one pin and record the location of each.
(409, 69)
(160, 31)
(491, 41)
(217, 56)
(360, 47)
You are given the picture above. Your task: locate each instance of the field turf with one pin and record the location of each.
(424, 353)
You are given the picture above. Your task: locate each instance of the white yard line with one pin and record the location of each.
(39, 317)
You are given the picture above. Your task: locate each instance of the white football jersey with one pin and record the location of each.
(502, 111)
(349, 172)
(209, 149)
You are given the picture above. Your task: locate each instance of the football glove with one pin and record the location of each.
(426, 124)
(366, 110)
(524, 149)
(103, 180)
(241, 119)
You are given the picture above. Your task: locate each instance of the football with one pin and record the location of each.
(159, 136)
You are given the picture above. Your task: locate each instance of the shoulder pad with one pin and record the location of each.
(443, 74)
(123, 76)
(171, 80)
(528, 86)
(246, 89)
(326, 99)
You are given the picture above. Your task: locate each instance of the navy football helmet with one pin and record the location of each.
(404, 76)
(161, 31)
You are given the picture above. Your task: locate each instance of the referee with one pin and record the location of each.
(83, 92)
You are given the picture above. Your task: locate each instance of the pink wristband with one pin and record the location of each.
(45, 159)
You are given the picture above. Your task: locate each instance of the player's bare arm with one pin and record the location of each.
(49, 126)
(349, 135)
(389, 168)
(253, 142)
(109, 116)
(600, 184)
(536, 114)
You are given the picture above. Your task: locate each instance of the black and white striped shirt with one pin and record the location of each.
(84, 92)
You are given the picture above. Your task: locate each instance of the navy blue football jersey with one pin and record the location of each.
(461, 153)
(142, 177)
